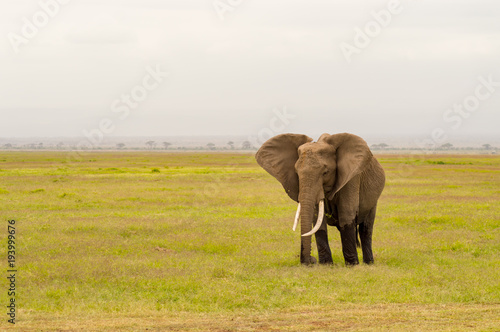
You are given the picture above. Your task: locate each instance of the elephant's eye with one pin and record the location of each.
(325, 173)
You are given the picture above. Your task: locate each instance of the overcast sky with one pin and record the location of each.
(331, 66)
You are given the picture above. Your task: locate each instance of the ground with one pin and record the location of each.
(203, 242)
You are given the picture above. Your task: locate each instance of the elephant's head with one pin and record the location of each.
(312, 171)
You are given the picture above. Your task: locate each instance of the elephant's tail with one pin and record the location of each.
(357, 236)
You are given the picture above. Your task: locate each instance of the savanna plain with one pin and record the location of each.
(203, 242)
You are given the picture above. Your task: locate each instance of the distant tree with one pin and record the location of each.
(120, 146)
(446, 146)
(40, 146)
(166, 145)
(7, 146)
(231, 145)
(487, 146)
(379, 146)
(59, 145)
(151, 144)
(246, 145)
(211, 146)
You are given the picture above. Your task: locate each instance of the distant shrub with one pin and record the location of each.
(440, 162)
(113, 170)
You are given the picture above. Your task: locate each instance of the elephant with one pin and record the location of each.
(337, 178)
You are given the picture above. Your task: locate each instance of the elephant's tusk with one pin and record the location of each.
(297, 215)
(321, 212)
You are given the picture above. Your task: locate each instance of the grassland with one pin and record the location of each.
(136, 241)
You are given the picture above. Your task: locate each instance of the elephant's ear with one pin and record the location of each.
(278, 156)
(352, 154)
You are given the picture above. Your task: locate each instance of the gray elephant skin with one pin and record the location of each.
(336, 181)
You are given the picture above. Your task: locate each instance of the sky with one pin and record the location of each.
(249, 67)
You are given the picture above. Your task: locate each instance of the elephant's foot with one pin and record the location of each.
(351, 264)
(368, 262)
(326, 260)
(325, 256)
(351, 260)
(309, 261)
(348, 237)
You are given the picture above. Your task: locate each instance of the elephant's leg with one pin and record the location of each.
(331, 215)
(365, 234)
(348, 238)
(324, 252)
(348, 204)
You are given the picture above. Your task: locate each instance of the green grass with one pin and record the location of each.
(120, 237)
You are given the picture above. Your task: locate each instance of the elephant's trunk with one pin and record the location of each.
(306, 215)
(308, 200)
(319, 221)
